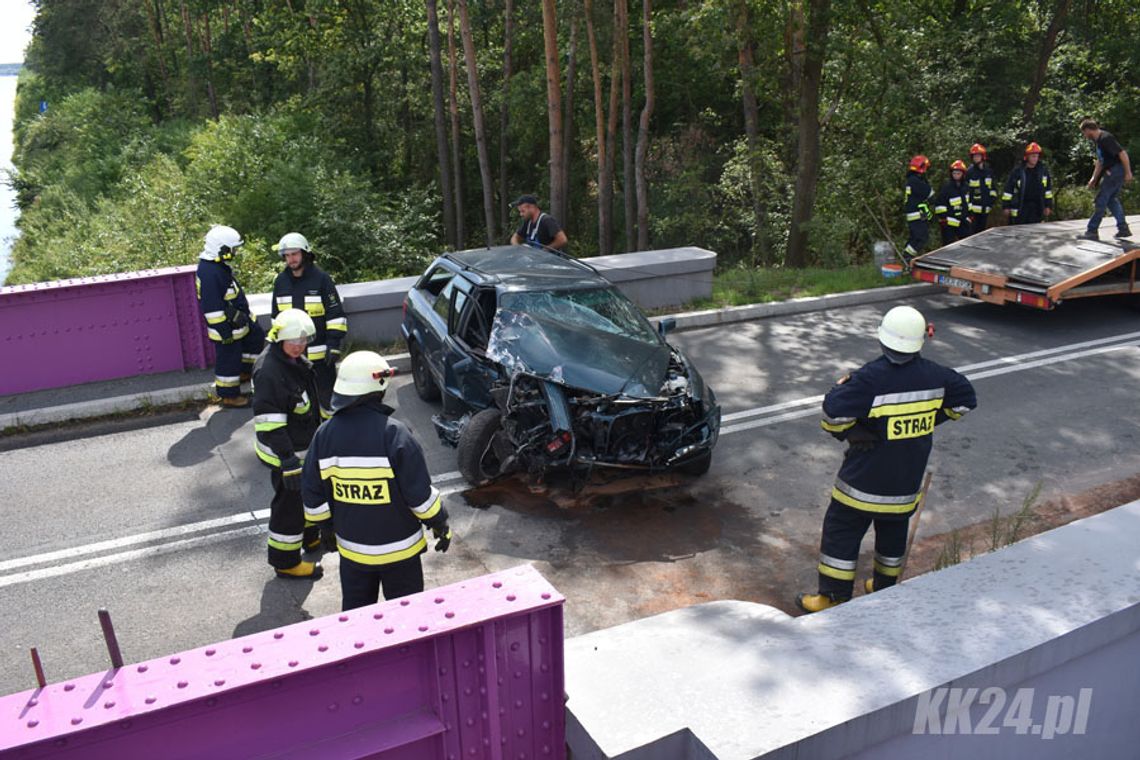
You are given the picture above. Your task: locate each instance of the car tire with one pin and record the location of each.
(426, 388)
(478, 463)
(698, 466)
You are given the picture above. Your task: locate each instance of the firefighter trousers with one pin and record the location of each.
(978, 223)
(232, 360)
(360, 584)
(289, 532)
(843, 531)
(919, 233)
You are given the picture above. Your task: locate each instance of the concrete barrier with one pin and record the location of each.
(471, 670)
(1029, 651)
(652, 279)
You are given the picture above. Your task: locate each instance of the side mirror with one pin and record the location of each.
(665, 325)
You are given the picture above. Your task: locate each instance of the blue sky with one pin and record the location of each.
(15, 32)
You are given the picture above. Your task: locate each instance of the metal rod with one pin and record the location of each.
(39, 666)
(110, 639)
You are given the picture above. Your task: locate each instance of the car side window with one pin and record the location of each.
(435, 281)
(449, 303)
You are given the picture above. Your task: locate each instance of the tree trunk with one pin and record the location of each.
(643, 129)
(456, 135)
(627, 128)
(191, 84)
(155, 23)
(477, 116)
(1047, 45)
(553, 105)
(207, 46)
(807, 169)
(747, 59)
(505, 114)
(440, 125)
(605, 194)
(568, 122)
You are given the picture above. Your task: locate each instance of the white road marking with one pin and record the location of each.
(158, 542)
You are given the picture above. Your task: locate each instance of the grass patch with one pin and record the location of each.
(741, 286)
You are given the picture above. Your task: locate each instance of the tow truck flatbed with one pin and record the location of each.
(1037, 265)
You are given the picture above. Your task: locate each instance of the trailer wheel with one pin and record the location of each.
(478, 462)
(426, 388)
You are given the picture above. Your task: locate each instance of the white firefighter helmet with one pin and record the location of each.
(292, 324)
(903, 329)
(361, 373)
(221, 242)
(293, 241)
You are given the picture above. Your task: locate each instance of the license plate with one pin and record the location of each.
(954, 282)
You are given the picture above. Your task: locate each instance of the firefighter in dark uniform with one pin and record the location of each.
(1028, 194)
(285, 418)
(236, 335)
(983, 194)
(917, 207)
(303, 285)
(950, 205)
(886, 411)
(366, 473)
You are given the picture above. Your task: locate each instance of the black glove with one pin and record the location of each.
(443, 533)
(861, 439)
(291, 474)
(331, 357)
(240, 319)
(328, 536)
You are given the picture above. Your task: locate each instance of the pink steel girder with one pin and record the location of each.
(469, 670)
(76, 331)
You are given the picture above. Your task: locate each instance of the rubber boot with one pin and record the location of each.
(1123, 232)
(1089, 235)
(869, 586)
(817, 602)
(235, 402)
(304, 571)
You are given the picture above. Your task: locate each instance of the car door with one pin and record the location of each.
(468, 374)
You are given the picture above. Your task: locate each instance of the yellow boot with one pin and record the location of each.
(817, 602)
(305, 571)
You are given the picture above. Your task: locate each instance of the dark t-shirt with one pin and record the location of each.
(541, 231)
(1108, 150)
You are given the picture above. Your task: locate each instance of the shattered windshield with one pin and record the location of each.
(602, 309)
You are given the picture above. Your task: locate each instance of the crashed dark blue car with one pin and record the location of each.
(543, 364)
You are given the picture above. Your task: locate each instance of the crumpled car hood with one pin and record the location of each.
(593, 360)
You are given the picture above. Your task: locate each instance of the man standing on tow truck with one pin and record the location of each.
(1113, 170)
(1028, 194)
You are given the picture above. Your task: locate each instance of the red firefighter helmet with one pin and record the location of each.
(1032, 148)
(919, 163)
(978, 148)
(958, 166)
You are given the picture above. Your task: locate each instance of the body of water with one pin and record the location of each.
(8, 212)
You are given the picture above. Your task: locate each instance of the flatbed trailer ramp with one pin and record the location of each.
(1037, 265)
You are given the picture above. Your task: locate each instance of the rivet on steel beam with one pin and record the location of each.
(404, 602)
(210, 652)
(175, 660)
(377, 615)
(108, 704)
(423, 628)
(69, 687)
(183, 684)
(439, 600)
(76, 720)
(357, 699)
(278, 635)
(510, 597)
(33, 723)
(343, 618)
(39, 668)
(497, 584)
(255, 666)
(545, 595)
(449, 614)
(359, 645)
(389, 630)
(151, 699)
(142, 668)
(315, 632)
(323, 648)
(247, 649)
(292, 663)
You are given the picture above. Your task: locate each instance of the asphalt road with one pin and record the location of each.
(164, 525)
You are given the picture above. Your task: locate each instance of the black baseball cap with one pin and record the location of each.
(531, 199)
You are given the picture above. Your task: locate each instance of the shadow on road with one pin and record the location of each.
(282, 603)
(198, 445)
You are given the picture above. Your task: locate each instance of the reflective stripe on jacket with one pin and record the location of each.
(367, 473)
(315, 294)
(220, 298)
(887, 412)
(284, 415)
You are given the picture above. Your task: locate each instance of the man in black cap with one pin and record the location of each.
(537, 228)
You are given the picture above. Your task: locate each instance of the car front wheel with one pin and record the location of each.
(478, 462)
(426, 388)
